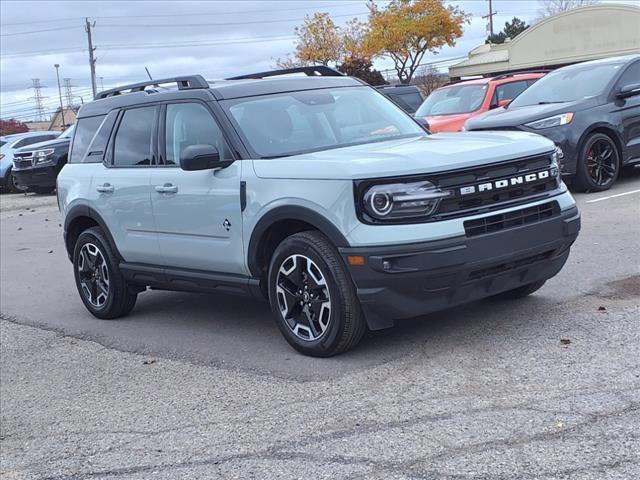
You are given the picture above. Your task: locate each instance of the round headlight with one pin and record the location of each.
(381, 203)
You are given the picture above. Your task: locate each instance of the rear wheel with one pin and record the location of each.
(312, 297)
(100, 284)
(522, 291)
(598, 165)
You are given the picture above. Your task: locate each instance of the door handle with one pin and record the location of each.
(166, 188)
(105, 188)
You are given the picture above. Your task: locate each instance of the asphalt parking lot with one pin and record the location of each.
(196, 386)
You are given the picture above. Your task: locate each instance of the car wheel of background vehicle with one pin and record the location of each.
(312, 297)
(11, 186)
(522, 291)
(42, 190)
(100, 284)
(598, 165)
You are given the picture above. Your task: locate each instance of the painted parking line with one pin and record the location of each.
(613, 196)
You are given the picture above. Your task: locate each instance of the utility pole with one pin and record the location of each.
(68, 94)
(57, 65)
(92, 61)
(37, 97)
(490, 17)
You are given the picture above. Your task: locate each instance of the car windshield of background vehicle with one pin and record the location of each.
(306, 121)
(68, 133)
(453, 100)
(2, 142)
(568, 85)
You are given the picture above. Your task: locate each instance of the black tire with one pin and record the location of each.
(344, 325)
(10, 185)
(119, 299)
(42, 190)
(522, 291)
(593, 172)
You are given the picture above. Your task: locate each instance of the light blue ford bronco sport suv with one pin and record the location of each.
(314, 191)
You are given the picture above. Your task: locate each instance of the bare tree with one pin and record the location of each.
(551, 7)
(428, 79)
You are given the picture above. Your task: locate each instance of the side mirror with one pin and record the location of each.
(202, 157)
(422, 122)
(629, 90)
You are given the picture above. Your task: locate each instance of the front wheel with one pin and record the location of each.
(598, 164)
(100, 284)
(312, 297)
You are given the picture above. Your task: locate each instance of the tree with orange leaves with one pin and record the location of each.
(407, 29)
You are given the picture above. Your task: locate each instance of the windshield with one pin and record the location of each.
(452, 100)
(568, 85)
(2, 142)
(306, 121)
(68, 133)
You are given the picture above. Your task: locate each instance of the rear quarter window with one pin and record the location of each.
(85, 130)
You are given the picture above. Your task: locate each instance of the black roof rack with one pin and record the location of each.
(523, 72)
(314, 71)
(189, 82)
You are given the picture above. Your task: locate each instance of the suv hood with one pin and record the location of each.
(515, 116)
(56, 142)
(429, 154)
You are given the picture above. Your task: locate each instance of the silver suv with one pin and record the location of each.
(315, 192)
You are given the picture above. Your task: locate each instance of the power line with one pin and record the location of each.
(200, 14)
(37, 31)
(223, 24)
(142, 46)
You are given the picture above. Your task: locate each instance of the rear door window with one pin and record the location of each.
(85, 130)
(133, 140)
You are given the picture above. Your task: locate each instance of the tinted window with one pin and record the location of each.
(296, 122)
(569, 84)
(2, 142)
(85, 130)
(453, 100)
(132, 146)
(95, 153)
(509, 91)
(630, 76)
(191, 124)
(412, 99)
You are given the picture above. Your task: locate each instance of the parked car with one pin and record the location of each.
(8, 145)
(319, 194)
(590, 110)
(447, 108)
(407, 97)
(36, 167)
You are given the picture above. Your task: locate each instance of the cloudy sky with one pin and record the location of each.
(214, 38)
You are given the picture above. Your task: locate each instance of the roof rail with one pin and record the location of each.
(313, 71)
(189, 82)
(524, 72)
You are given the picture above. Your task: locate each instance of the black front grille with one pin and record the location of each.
(23, 160)
(463, 203)
(502, 221)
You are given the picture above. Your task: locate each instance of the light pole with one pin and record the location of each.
(57, 65)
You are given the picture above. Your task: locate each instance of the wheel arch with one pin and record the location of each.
(278, 224)
(78, 219)
(606, 129)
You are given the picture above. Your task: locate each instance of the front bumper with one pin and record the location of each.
(563, 136)
(37, 177)
(405, 281)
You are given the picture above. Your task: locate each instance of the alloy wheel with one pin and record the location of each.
(602, 162)
(93, 275)
(303, 297)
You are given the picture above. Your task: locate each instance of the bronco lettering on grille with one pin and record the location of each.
(505, 182)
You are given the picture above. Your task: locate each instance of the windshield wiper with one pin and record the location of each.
(556, 101)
